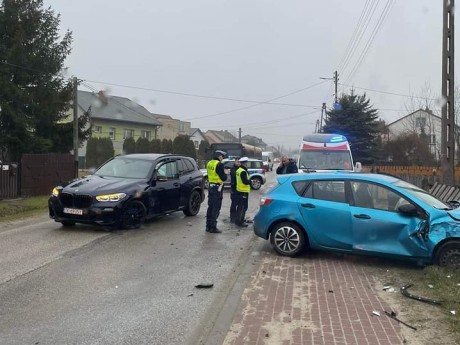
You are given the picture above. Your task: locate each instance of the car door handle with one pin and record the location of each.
(176, 184)
(362, 216)
(308, 205)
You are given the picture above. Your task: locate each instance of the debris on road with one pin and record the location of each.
(418, 298)
(393, 316)
(204, 286)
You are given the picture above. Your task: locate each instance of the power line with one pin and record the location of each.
(376, 29)
(352, 40)
(368, 17)
(255, 105)
(196, 95)
(387, 92)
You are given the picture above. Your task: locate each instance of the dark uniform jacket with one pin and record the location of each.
(290, 168)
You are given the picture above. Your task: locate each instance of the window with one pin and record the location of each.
(181, 126)
(371, 195)
(197, 144)
(128, 133)
(146, 134)
(189, 164)
(328, 190)
(420, 122)
(167, 169)
(112, 133)
(97, 129)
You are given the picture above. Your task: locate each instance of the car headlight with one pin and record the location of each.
(55, 192)
(111, 197)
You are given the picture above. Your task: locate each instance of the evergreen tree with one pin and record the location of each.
(98, 150)
(358, 121)
(179, 145)
(190, 149)
(202, 149)
(91, 153)
(129, 145)
(34, 96)
(155, 146)
(166, 146)
(142, 145)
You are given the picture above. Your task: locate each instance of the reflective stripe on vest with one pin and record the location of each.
(213, 177)
(240, 186)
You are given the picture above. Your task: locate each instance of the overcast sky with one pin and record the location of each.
(155, 51)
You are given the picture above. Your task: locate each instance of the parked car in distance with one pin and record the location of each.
(347, 212)
(255, 170)
(128, 189)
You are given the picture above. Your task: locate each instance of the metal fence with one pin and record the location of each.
(9, 180)
(36, 174)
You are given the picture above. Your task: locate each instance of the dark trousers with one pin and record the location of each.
(241, 207)
(234, 199)
(214, 205)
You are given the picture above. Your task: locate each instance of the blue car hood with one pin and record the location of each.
(94, 184)
(455, 213)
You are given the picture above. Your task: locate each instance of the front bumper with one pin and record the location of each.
(104, 214)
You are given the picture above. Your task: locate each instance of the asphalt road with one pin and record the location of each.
(83, 285)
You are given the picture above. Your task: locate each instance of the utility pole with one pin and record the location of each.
(75, 123)
(448, 115)
(239, 135)
(323, 113)
(335, 78)
(336, 81)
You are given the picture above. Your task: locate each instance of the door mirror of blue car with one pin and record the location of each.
(408, 210)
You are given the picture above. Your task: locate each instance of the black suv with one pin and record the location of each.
(128, 189)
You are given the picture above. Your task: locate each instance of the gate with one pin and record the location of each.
(9, 180)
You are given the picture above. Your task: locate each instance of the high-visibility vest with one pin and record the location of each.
(213, 177)
(240, 186)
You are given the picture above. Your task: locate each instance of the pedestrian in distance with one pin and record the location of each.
(216, 176)
(234, 192)
(243, 187)
(287, 166)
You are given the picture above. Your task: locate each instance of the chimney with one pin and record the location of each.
(102, 97)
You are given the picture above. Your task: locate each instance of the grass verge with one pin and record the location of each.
(23, 207)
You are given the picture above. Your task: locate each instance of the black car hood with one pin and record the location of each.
(94, 184)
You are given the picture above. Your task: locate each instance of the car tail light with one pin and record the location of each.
(265, 201)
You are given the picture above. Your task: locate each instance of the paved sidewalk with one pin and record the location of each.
(298, 301)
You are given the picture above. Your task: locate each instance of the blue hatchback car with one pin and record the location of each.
(356, 213)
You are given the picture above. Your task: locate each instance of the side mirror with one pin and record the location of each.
(408, 210)
(161, 178)
(358, 167)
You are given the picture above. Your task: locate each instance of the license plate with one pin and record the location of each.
(73, 211)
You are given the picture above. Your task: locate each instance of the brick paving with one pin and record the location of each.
(298, 301)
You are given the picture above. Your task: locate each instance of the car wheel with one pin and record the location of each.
(256, 183)
(449, 254)
(67, 223)
(287, 239)
(132, 215)
(206, 182)
(193, 204)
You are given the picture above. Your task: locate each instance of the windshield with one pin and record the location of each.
(325, 160)
(422, 195)
(125, 167)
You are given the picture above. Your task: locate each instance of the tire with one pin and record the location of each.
(206, 182)
(256, 183)
(67, 223)
(287, 239)
(132, 216)
(448, 254)
(193, 204)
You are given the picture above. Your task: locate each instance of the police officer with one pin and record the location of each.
(243, 186)
(216, 176)
(234, 194)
